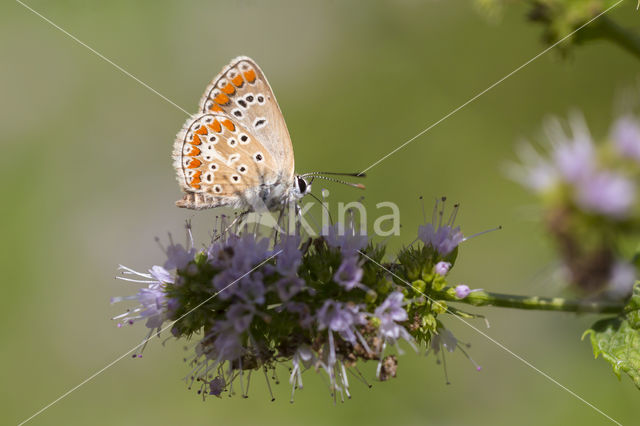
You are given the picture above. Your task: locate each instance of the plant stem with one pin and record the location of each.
(608, 29)
(485, 298)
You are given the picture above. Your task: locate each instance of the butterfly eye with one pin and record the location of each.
(302, 185)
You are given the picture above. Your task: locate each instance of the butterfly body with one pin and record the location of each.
(237, 151)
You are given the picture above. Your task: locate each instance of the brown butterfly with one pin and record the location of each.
(236, 151)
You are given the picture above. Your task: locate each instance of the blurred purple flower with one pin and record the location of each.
(290, 258)
(349, 273)
(289, 286)
(606, 193)
(178, 257)
(345, 237)
(341, 318)
(444, 339)
(626, 137)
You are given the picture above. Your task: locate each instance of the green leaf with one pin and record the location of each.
(618, 339)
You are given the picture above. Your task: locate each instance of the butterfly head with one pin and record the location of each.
(301, 186)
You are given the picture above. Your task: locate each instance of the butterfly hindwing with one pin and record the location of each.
(220, 162)
(242, 92)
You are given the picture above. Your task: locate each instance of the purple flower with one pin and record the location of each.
(442, 268)
(349, 273)
(443, 239)
(463, 291)
(290, 258)
(536, 172)
(389, 313)
(574, 162)
(341, 318)
(234, 258)
(303, 358)
(574, 155)
(626, 137)
(623, 275)
(347, 238)
(161, 274)
(152, 299)
(444, 339)
(226, 346)
(606, 193)
(178, 257)
(240, 316)
(217, 386)
(289, 286)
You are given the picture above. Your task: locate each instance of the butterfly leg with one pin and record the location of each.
(233, 223)
(276, 229)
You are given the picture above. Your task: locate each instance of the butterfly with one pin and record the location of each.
(236, 151)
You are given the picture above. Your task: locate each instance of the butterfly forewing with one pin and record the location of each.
(220, 162)
(242, 92)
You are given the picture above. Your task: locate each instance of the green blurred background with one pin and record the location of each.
(87, 184)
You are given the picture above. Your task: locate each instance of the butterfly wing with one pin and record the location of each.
(220, 162)
(242, 92)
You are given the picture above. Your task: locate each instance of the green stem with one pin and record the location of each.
(485, 298)
(608, 29)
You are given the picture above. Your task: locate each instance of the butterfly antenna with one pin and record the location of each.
(359, 175)
(355, 185)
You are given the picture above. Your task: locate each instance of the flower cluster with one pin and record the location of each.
(253, 302)
(590, 194)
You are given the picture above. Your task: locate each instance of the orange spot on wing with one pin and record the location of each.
(229, 89)
(215, 126)
(250, 76)
(196, 140)
(196, 179)
(237, 80)
(195, 186)
(216, 108)
(221, 99)
(229, 125)
(201, 131)
(194, 151)
(194, 163)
